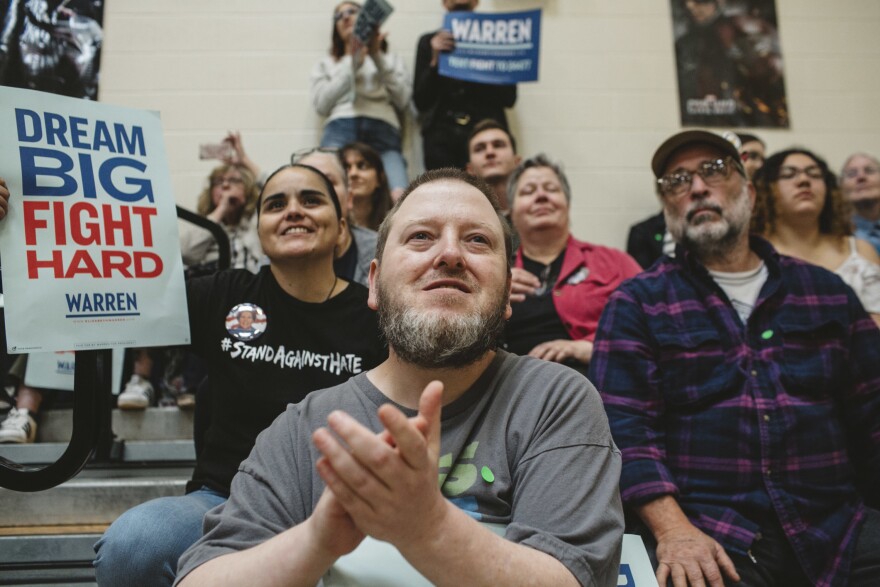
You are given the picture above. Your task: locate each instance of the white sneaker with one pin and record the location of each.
(6, 395)
(18, 427)
(137, 395)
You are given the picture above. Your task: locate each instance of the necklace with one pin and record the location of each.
(330, 293)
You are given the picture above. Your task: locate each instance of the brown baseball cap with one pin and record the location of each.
(691, 137)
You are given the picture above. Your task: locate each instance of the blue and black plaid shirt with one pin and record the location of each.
(778, 418)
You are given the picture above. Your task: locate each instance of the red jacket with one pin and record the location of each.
(590, 273)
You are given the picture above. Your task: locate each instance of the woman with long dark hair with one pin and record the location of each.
(367, 185)
(801, 211)
(363, 90)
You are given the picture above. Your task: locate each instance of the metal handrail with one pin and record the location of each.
(92, 403)
(225, 258)
(93, 374)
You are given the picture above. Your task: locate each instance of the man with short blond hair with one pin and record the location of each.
(520, 445)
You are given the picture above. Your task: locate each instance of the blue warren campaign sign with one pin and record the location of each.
(90, 252)
(493, 48)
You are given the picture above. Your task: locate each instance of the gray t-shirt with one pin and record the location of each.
(527, 446)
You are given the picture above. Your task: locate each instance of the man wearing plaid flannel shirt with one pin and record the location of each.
(743, 388)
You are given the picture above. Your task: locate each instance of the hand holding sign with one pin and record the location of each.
(499, 49)
(441, 42)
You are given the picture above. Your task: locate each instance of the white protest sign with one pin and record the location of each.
(56, 370)
(91, 256)
(635, 565)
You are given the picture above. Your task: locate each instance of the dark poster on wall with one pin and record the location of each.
(729, 63)
(52, 45)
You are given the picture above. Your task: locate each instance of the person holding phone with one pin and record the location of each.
(230, 200)
(363, 91)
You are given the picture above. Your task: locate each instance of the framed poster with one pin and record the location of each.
(729, 64)
(52, 46)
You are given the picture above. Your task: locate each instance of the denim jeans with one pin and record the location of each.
(378, 134)
(142, 546)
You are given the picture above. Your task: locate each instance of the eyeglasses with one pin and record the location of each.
(751, 155)
(853, 172)
(679, 183)
(345, 13)
(218, 181)
(303, 153)
(789, 172)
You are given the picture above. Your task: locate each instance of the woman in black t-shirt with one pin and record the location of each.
(306, 329)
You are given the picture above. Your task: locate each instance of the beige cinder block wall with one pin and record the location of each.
(607, 94)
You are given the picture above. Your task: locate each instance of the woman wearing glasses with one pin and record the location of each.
(860, 183)
(560, 284)
(230, 200)
(800, 210)
(363, 91)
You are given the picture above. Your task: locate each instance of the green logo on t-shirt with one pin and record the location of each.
(462, 476)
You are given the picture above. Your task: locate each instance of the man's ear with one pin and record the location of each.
(469, 168)
(517, 159)
(372, 298)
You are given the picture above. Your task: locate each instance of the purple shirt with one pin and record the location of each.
(743, 424)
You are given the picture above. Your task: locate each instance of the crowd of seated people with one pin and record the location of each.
(589, 307)
(733, 347)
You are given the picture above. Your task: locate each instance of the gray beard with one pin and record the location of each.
(433, 341)
(709, 247)
(716, 244)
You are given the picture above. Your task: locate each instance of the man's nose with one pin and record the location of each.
(450, 253)
(699, 188)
